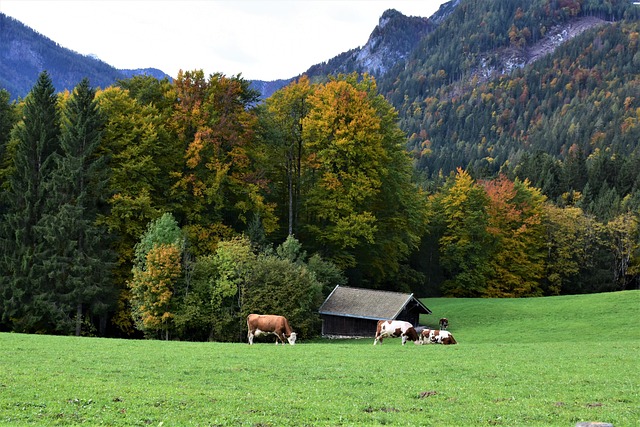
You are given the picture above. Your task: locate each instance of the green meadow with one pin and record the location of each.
(551, 361)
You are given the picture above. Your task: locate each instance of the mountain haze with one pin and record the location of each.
(24, 53)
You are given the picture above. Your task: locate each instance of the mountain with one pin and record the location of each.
(393, 39)
(390, 43)
(24, 53)
(547, 91)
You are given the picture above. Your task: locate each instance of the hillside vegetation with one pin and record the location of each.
(472, 96)
(518, 362)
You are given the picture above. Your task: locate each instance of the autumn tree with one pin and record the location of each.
(287, 108)
(623, 237)
(465, 244)
(515, 213)
(219, 188)
(142, 154)
(566, 253)
(156, 275)
(361, 210)
(152, 289)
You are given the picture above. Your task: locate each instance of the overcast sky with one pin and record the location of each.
(262, 39)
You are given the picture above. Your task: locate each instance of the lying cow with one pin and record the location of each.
(394, 329)
(435, 336)
(444, 323)
(264, 324)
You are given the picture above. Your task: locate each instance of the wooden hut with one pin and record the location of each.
(354, 312)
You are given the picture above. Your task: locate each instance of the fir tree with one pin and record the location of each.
(22, 282)
(78, 258)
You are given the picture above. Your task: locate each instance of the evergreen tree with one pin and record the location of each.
(22, 280)
(6, 121)
(77, 259)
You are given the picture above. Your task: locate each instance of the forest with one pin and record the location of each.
(172, 209)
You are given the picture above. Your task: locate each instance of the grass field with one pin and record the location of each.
(531, 362)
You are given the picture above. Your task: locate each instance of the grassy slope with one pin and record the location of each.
(505, 371)
(574, 318)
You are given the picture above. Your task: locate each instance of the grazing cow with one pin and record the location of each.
(394, 329)
(434, 336)
(259, 324)
(444, 323)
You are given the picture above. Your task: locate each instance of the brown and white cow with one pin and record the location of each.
(444, 323)
(394, 329)
(435, 336)
(264, 324)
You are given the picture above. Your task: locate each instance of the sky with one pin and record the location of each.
(261, 39)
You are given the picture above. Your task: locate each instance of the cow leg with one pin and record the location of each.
(404, 339)
(279, 336)
(250, 337)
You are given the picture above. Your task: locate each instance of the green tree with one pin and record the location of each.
(465, 245)
(77, 257)
(280, 286)
(288, 107)
(23, 280)
(7, 120)
(326, 272)
(212, 306)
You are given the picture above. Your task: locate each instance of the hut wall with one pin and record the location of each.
(348, 326)
(411, 316)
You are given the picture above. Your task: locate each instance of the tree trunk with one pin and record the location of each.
(79, 320)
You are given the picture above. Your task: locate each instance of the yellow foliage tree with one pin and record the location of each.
(152, 289)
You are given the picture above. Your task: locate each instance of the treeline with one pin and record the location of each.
(84, 174)
(174, 209)
(503, 238)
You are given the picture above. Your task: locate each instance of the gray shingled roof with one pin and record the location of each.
(366, 303)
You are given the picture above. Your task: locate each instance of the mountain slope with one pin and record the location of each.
(24, 53)
(390, 43)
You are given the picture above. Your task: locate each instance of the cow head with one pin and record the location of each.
(292, 338)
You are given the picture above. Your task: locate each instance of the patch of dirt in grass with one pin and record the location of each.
(424, 394)
(369, 409)
(594, 405)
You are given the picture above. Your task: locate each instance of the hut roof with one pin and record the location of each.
(368, 303)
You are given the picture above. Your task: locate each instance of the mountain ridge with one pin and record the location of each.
(25, 53)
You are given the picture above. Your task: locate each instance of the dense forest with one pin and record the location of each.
(568, 122)
(172, 209)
